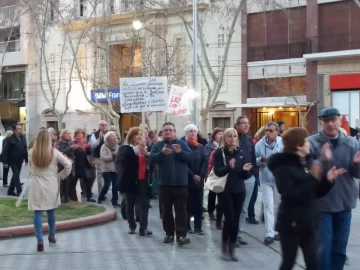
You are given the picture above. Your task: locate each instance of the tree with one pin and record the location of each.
(293, 88)
(10, 18)
(226, 15)
(135, 53)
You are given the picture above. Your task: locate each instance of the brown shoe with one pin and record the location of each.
(52, 239)
(40, 247)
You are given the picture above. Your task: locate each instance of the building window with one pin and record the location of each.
(221, 122)
(347, 102)
(12, 86)
(220, 63)
(83, 4)
(112, 6)
(221, 40)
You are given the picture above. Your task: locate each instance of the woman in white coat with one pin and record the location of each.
(44, 184)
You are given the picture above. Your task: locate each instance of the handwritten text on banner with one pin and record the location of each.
(143, 94)
(178, 102)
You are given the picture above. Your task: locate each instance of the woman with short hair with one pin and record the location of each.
(196, 174)
(215, 140)
(63, 145)
(108, 153)
(232, 162)
(44, 193)
(298, 215)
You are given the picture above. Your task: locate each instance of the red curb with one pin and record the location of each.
(107, 216)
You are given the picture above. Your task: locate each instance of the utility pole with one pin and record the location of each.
(195, 55)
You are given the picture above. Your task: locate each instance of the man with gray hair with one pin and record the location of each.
(96, 141)
(334, 148)
(270, 144)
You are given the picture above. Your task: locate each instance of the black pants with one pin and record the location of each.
(142, 198)
(290, 241)
(211, 202)
(194, 207)
(123, 208)
(220, 207)
(177, 197)
(233, 203)
(251, 207)
(5, 175)
(15, 179)
(88, 182)
(65, 189)
(110, 178)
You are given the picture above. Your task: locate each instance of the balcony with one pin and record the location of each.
(277, 51)
(13, 53)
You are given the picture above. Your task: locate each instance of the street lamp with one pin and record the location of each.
(195, 55)
(137, 24)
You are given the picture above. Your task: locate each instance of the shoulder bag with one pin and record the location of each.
(215, 183)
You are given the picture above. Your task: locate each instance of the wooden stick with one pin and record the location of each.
(143, 125)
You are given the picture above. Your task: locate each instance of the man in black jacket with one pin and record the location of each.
(246, 144)
(15, 153)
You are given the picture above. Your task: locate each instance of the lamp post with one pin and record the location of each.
(195, 54)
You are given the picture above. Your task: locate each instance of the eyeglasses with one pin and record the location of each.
(269, 130)
(245, 123)
(168, 130)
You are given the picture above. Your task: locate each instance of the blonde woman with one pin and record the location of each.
(6, 170)
(44, 184)
(231, 161)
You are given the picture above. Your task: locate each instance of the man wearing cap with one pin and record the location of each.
(333, 148)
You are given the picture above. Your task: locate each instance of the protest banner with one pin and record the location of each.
(178, 101)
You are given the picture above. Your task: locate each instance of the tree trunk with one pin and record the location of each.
(204, 121)
(2, 129)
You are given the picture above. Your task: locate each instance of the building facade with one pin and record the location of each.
(13, 65)
(77, 64)
(298, 57)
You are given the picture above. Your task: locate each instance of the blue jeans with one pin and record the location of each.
(334, 231)
(38, 223)
(109, 178)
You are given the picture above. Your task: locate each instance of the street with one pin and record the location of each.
(110, 247)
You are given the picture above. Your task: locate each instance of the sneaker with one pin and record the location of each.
(190, 231)
(242, 242)
(182, 241)
(145, 233)
(252, 221)
(199, 231)
(269, 240)
(115, 205)
(168, 239)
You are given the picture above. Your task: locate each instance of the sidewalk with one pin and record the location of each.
(110, 247)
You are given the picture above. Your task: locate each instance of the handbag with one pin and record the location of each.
(215, 183)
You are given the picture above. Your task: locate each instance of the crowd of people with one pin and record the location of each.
(307, 182)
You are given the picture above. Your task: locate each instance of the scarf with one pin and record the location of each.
(193, 142)
(111, 146)
(216, 144)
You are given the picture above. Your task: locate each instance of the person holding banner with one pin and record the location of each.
(172, 157)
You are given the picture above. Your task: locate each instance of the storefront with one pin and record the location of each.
(263, 110)
(345, 96)
(127, 120)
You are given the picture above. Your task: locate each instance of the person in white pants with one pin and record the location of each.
(270, 144)
(249, 188)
